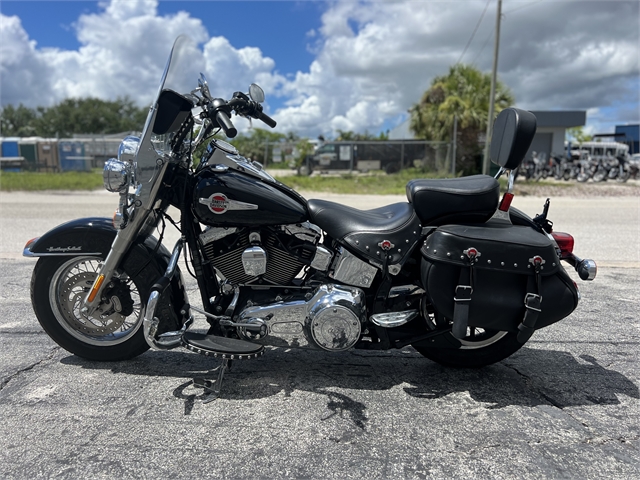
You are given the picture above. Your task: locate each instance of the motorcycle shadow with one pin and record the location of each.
(529, 378)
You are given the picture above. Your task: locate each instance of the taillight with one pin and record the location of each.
(564, 241)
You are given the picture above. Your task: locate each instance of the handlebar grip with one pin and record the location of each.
(225, 123)
(267, 119)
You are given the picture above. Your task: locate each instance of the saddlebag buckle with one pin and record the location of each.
(533, 302)
(463, 293)
(533, 305)
(462, 298)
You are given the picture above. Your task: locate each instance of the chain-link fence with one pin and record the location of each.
(364, 156)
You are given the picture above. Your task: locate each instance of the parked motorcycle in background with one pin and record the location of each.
(453, 271)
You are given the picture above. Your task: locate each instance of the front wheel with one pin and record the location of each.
(624, 176)
(113, 332)
(479, 348)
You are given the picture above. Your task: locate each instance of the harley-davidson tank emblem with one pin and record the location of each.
(218, 203)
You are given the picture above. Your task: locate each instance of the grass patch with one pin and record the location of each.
(375, 183)
(36, 181)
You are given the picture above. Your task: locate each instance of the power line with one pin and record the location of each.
(491, 33)
(523, 6)
(489, 37)
(474, 31)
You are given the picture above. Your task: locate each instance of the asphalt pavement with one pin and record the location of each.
(565, 406)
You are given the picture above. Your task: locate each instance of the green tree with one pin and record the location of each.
(578, 135)
(256, 144)
(304, 148)
(18, 122)
(73, 115)
(462, 93)
(90, 115)
(349, 136)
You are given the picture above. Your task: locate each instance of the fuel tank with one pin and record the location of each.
(232, 198)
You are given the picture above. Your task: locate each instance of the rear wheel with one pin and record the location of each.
(393, 167)
(479, 348)
(600, 175)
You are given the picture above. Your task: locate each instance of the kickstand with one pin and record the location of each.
(212, 389)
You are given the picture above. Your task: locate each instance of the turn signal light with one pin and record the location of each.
(564, 241)
(31, 242)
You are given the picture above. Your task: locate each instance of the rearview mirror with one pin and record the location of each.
(256, 93)
(513, 132)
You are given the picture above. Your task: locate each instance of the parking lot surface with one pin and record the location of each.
(565, 406)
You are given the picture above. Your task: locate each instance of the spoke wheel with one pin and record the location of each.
(109, 324)
(113, 331)
(480, 347)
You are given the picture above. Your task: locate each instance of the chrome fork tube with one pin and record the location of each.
(120, 246)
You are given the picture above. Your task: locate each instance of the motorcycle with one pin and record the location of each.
(454, 271)
(621, 169)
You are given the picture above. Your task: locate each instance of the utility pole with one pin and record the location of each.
(492, 96)
(455, 144)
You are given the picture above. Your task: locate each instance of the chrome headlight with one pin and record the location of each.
(128, 149)
(116, 175)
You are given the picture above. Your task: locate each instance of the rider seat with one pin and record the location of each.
(366, 231)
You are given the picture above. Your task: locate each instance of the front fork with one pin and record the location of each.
(124, 239)
(121, 244)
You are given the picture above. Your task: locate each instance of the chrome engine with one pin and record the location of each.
(331, 318)
(271, 255)
(259, 261)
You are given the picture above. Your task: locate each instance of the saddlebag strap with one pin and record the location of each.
(462, 298)
(533, 306)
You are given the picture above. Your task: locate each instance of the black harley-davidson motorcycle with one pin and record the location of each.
(454, 271)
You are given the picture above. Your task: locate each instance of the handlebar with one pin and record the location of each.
(220, 111)
(267, 119)
(225, 123)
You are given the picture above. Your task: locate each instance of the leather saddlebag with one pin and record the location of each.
(498, 277)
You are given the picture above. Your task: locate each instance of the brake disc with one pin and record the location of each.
(104, 321)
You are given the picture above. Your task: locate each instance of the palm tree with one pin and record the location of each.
(464, 93)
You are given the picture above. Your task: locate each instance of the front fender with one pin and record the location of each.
(84, 236)
(94, 236)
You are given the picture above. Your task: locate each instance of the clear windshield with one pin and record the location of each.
(179, 74)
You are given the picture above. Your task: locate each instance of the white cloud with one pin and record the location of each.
(232, 69)
(372, 61)
(24, 73)
(557, 55)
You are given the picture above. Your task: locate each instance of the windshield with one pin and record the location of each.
(178, 75)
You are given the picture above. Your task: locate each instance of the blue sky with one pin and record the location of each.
(348, 65)
(51, 23)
